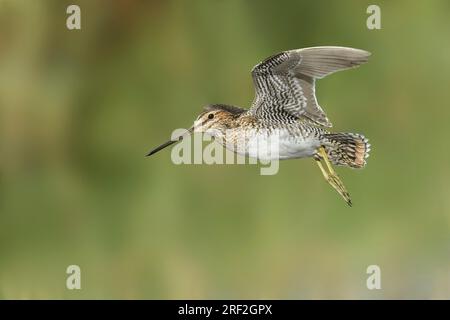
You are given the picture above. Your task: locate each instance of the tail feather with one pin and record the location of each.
(348, 149)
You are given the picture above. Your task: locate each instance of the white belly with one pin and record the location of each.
(279, 146)
(300, 148)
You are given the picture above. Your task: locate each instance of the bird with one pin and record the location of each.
(285, 104)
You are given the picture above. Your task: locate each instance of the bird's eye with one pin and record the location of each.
(211, 115)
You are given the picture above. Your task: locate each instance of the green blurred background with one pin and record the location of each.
(79, 110)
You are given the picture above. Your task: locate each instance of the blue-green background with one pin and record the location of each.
(79, 109)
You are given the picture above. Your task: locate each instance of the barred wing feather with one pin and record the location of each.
(285, 82)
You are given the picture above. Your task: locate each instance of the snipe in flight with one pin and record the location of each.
(285, 103)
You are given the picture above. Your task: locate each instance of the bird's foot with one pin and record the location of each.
(338, 185)
(332, 177)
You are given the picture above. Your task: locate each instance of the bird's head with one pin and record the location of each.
(214, 119)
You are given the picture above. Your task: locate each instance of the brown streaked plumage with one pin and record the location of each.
(285, 104)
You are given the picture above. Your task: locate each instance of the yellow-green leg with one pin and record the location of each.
(332, 177)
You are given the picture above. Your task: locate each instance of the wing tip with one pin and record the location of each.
(340, 51)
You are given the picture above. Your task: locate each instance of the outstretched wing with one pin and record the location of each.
(285, 82)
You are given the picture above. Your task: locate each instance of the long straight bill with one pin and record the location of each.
(170, 142)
